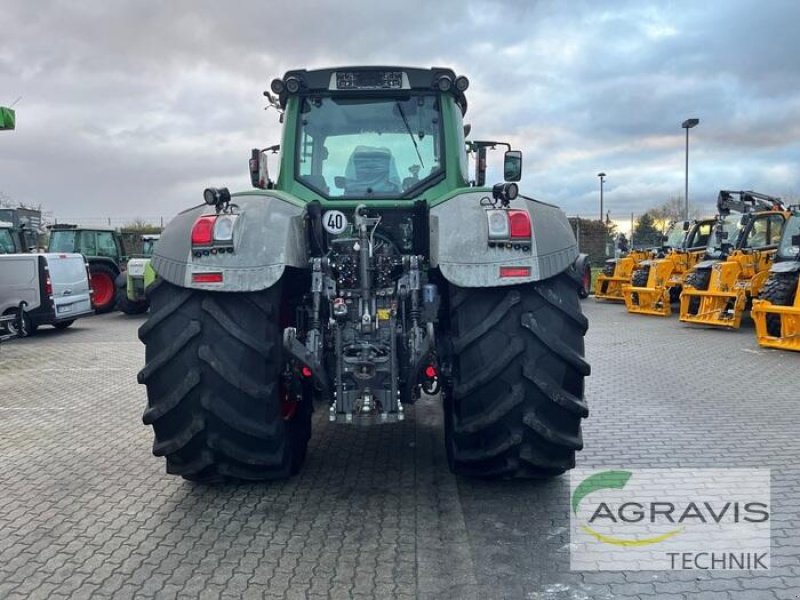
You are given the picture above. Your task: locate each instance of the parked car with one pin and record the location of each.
(54, 286)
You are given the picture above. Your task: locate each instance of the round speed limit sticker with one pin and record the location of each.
(334, 221)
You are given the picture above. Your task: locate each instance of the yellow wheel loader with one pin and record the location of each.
(776, 311)
(616, 273)
(656, 284)
(717, 291)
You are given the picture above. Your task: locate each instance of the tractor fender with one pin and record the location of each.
(268, 236)
(577, 268)
(786, 266)
(460, 242)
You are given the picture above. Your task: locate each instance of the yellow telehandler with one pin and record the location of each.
(616, 273)
(656, 284)
(776, 311)
(717, 290)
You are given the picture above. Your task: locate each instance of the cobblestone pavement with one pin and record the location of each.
(87, 511)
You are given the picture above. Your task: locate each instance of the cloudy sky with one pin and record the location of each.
(130, 108)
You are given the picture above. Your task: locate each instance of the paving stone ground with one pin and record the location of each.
(86, 510)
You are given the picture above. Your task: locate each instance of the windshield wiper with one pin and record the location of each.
(410, 133)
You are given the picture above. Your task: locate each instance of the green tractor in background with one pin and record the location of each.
(132, 283)
(371, 270)
(104, 250)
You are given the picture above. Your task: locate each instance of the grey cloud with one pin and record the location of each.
(133, 107)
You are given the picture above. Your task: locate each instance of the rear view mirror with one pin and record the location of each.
(259, 173)
(512, 165)
(686, 225)
(259, 170)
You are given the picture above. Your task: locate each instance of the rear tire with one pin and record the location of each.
(125, 305)
(103, 278)
(780, 290)
(699, 280)
(28, 327)
(586, 281)
(214, 364)
(514, 405)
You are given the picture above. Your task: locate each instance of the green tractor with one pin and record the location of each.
(132, 283)
(370, 271)
(104, 250)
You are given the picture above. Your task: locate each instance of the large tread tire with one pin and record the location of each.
(103, 275)
(586, 281)
(699, 280)
(213, 374)
(780, 290)
(125, 305)
(514, 401)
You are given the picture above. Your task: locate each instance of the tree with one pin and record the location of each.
(645, 233)
(140, 226)
(671, 210)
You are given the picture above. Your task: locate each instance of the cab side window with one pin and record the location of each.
(88, 245)
(106, 245)
(775, 229)
(702, 235)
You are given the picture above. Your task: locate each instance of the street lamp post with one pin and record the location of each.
(687, 125)
(602, 179)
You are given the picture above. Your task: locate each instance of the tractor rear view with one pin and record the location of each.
(776, 311)
(371, 270)
(718, 290)
(656, 283)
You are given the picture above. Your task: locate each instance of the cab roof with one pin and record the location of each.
(368, 81)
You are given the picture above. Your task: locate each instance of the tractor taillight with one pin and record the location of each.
(508, 225)
(206, 277)
(520, 224)
(306, 372)
(203, 230)
(506, 272)
(430, 371)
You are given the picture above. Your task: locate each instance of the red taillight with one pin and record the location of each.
(203, 231)
(515, 271)
(520, 224)
(430, 371)
(48, 286)
(206, 277)
(306, 372)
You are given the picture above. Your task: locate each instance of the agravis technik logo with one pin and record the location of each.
(670, 519)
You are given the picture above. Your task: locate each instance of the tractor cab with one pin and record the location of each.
(373, 133)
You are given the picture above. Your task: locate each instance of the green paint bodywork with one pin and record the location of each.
(136, 293)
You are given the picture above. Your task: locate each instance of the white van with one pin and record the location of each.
(54, 285)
